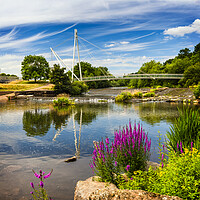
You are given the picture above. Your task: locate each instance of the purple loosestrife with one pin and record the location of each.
(177, 146)
(181, 147)
(191, 145)
(41, 184)
(47, 176)
(32, 185)
(128, 167)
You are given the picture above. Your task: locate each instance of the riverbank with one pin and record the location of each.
(109, 94)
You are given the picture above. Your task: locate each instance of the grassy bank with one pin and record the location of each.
(24, 85)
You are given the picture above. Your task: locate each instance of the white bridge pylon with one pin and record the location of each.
(61, 62)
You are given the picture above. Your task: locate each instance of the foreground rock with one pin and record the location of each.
(94, 190)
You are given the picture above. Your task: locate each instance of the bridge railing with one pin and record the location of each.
(135, 76)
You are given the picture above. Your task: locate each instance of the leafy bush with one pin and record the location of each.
(197, 92)
(127, 153)
(149, 94)
(137, 94)
(62, 101)
(186, 128)
(180, 177)
(78, 88)
(123, 97)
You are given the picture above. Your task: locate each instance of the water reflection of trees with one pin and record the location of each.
(156, 112)
(36, 123)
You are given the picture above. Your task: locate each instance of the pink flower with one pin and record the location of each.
(32, 185)
(128, 167)
(47, 176)
(41, 184)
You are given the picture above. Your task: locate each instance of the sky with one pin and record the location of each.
(118, 34)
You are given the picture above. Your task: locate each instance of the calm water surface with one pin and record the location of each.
(34, 135)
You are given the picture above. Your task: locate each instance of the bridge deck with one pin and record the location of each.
(134, 76)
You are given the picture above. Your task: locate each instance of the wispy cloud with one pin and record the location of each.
(61, 11)
(183, 30)
(11, 41)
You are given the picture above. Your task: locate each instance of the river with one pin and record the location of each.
(35, 135)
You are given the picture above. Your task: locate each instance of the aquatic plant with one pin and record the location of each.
(128, 152)
(149, 94)
(185, 129)
(41, 193)
(123, 97)
(62, 101)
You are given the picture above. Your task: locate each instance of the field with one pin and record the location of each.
(25, 85)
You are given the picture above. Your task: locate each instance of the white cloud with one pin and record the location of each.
(182, 30)
(124, 42)
(130, 47)
(61, 11)
(110, 45)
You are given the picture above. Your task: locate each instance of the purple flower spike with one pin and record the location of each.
(31, 192)
(181, 147)
(41, 184)
(107, 140)
(32, 185)
(177, 146)
(47, 176)
(191, 145)
(162, 157)
(162, 165)
(128, 167)
(115, 163)
(37, 175)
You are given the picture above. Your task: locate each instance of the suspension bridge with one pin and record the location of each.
(106, 76)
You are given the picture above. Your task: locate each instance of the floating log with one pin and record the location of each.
(72, 159)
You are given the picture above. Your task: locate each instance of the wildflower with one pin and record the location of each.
(47, 176)
(31, 192)
(37, 175)
(191, 145)
(177, 146)
(162, 157)
(115, 163)
(32, 185)
(162, 165)
(41, 184)
(128, 167)
(107, 140)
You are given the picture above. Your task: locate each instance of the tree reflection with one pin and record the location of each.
(156, 112)
(36, 123)
(60, 116)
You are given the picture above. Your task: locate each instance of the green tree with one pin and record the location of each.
(183, 53)
(192, 75)
(35, 67)
(60, 79)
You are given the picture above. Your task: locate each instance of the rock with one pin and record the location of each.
(94, 190)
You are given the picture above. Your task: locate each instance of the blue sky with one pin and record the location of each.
(124, 33)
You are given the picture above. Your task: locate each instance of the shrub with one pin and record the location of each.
(180, 177)
(62, 101)
(197, 92)
(123, 97)
(186, 128)
(137, 94)
(128, 152)
(149, 94)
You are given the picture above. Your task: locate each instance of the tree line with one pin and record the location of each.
(186, 62)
